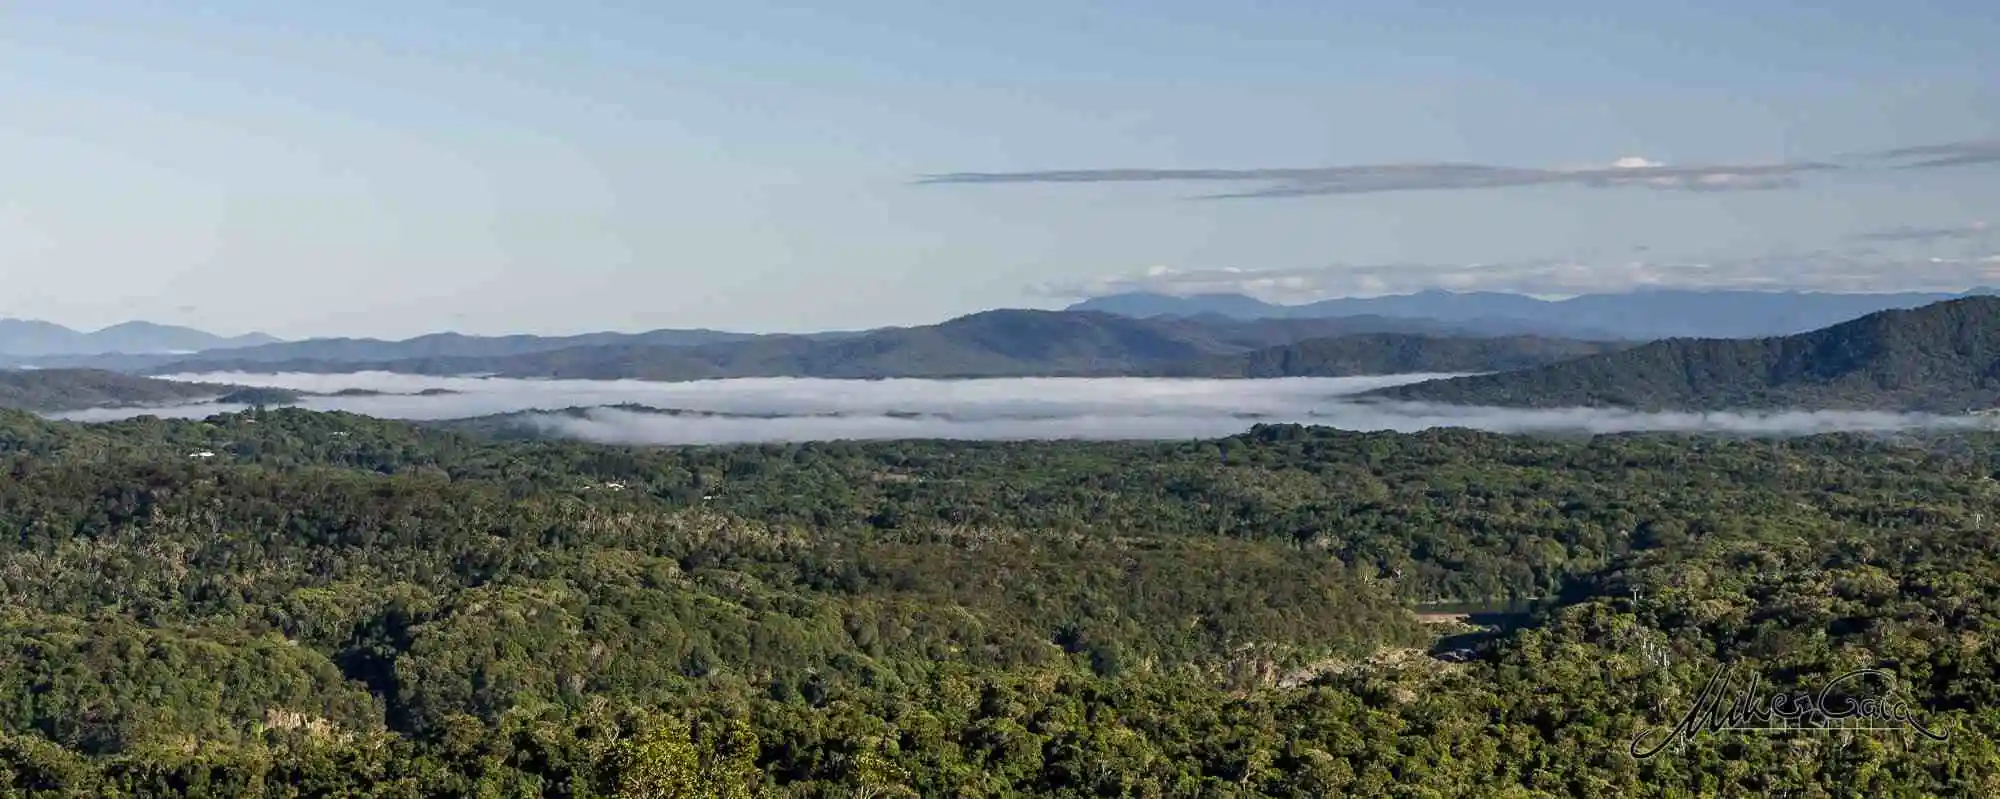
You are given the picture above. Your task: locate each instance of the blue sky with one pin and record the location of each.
(391, 168)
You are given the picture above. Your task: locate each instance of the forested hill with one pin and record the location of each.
(63, 389)
(1943, 357)
(1389, 353)
(1006, 343)
(330, 605)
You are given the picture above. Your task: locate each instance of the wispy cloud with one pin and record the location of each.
(1927, 234)
(1630, 171)
(1809, 271)
(782, 409)
(1930, 156)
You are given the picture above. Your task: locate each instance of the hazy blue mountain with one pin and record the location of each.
(1141, 305)
(450, 345)
(137, 347)
(1943, 357)
(1438, 304)
(353, 354)
(330, 352)
(1441, 312)
(1001, 343)
(25, 338)
(31, 337)
(146, 337)
(1639, 315)
(992, 343)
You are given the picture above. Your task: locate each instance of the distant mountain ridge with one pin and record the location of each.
(459, 345)
(330, 351)
(333, 354)
(1389, 353)
(23, 338)
(1001, 343)
(1640, 315)
(1942, 358)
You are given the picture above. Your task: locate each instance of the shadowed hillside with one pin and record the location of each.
(63, 389)
(1390, 353)
(1943, 357)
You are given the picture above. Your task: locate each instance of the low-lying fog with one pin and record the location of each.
(796, 409)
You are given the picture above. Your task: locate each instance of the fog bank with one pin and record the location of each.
(798, 409)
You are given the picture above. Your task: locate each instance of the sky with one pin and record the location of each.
(391, 169)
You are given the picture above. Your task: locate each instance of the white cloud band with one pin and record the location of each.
(1025, 408)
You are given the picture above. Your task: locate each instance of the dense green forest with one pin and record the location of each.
(1943, 357)
(333, 605)
(260, 396)
(64, 389)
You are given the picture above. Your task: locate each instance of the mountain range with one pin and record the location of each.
(1008, 343)
(1640, 316)
(1943, 357)
(458, 345)
(27, 338)
(1940, 356)
(1002, 343)
(727, 353)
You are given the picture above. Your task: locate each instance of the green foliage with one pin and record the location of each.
(664, 762)
(260, 396)
(338, 606)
